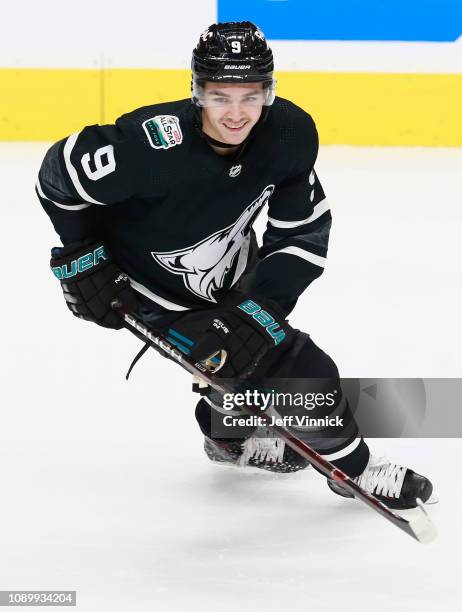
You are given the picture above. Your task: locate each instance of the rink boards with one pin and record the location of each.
(349, 107)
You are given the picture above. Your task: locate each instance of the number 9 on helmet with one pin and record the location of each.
(233, 52)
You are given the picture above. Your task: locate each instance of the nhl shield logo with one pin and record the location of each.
(235, 170)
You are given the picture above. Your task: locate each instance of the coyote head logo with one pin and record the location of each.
(204, 265)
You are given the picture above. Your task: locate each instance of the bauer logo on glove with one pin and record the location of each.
(265, 319)
(243, 331)
(91, 282)
(84, 262)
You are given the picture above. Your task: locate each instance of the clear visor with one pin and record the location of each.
(216, 95)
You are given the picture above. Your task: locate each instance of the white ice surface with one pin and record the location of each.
(105, 488)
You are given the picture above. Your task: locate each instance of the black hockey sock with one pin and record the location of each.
(355, 462)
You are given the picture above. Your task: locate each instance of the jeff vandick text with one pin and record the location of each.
(285, 421)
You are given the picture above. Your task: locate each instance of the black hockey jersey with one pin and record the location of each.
(177, 217)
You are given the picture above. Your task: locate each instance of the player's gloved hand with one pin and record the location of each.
(90, 282)
(245, 329)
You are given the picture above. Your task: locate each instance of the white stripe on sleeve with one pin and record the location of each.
(320, 208)
(317, 260)
(70, 142)
(64, 206)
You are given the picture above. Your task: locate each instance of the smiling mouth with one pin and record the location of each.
(235, 128)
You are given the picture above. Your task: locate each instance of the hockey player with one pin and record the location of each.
(157, 211)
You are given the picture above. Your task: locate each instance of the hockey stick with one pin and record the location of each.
(421, 527)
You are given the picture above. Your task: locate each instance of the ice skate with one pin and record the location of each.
(266, 453)
(396, 486)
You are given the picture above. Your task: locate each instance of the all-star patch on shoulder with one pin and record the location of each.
(163, 131)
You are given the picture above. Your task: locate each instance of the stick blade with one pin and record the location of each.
(421, 527)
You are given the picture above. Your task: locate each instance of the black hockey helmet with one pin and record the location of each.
(232, 52)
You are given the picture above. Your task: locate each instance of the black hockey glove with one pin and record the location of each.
(90, 282)
(245, 330)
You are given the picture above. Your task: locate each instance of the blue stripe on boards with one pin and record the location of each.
(408, 20)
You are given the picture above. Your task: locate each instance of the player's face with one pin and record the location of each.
(231, 110)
